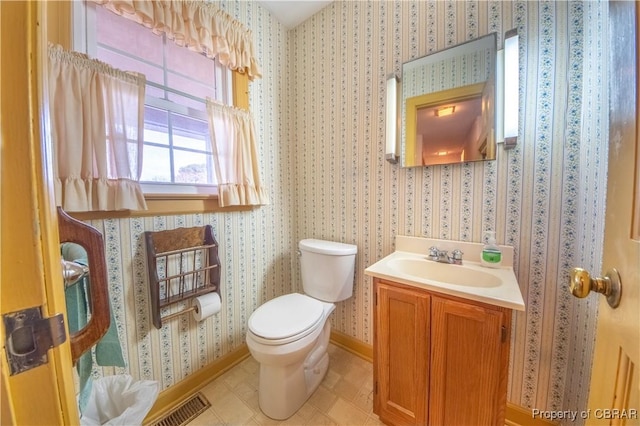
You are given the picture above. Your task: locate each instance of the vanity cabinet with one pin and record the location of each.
(438, 359)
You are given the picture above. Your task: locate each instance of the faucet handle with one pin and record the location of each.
(433, 252)
(457, 254)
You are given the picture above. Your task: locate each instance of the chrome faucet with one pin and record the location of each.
(442, 256)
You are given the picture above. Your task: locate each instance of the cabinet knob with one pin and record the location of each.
(581, 284)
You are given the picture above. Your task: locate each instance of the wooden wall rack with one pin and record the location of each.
(182, 263)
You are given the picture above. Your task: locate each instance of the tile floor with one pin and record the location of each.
(344, 397)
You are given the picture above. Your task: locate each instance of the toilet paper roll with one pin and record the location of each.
(206, 305)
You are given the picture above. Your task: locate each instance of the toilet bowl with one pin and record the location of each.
(291, 367)
(289, 335)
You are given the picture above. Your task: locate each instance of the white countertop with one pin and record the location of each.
(507, 294)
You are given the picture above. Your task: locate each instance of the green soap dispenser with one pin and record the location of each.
(491, 256)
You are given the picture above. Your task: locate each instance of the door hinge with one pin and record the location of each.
(29, 337)
(503, 334)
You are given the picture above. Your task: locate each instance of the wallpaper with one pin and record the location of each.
(537, 197)
(320, 121)
(256, 247)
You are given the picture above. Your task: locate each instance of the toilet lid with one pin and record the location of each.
(285, 316)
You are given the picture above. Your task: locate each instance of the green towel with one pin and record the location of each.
(108, 351)
(77, 318)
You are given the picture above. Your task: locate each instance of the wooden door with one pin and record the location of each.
(614, 397)
(401, 354)
(30, 264)
(469, 350)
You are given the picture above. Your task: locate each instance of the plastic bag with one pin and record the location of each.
(119, 400)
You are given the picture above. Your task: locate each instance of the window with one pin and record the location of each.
(177, 155)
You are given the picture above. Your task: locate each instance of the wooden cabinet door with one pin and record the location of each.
(401, 364)
(467, 382)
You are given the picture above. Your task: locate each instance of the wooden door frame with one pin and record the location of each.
(29, 235)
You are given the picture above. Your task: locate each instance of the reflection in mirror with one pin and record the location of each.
(75, 265)
(73, 272)
(449, 127)
(448, 109)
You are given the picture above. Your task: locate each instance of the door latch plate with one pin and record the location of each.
(29, 337)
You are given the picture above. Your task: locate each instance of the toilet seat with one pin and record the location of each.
(286, 318)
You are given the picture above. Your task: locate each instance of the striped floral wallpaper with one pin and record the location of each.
(257, 248)
(319, 112)
(545, 197)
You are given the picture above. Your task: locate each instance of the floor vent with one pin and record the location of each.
(186, 412)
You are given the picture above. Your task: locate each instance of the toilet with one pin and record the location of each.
(289, 335)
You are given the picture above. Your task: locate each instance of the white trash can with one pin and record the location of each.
(119, 400)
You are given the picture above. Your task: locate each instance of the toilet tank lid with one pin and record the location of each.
(327, 247)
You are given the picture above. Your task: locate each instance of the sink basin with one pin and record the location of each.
(445, 273)
(408, 265)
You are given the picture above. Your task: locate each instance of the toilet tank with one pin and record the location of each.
(327, 269)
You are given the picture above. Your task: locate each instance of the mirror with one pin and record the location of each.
(448, 105)
(84, 272)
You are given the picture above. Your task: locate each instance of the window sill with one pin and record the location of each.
(166, 205)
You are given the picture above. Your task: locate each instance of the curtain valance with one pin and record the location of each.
(198, 25)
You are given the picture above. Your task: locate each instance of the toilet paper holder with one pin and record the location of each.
(182, 264)
(175, 314)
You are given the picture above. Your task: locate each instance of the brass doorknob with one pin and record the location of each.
(581, 283)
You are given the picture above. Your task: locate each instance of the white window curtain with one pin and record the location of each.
(195, 24)
(97, 130)
(235, 156)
